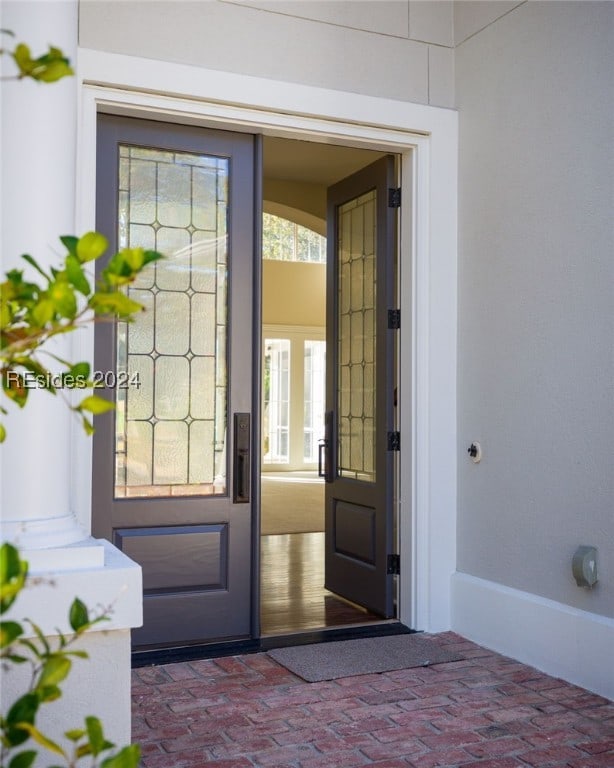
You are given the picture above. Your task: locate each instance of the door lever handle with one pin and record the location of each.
(322, 446)
(329, 446)
(242, 459)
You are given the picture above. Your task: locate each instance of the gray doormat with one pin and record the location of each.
(364, 656)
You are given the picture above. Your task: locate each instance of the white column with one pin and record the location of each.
(38, 155)
(37, 187)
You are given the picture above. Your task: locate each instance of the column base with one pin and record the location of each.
(43, 533)
(107, 582)
(95, 571)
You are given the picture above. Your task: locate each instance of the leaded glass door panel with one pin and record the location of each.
(172, 464)
(360, 386)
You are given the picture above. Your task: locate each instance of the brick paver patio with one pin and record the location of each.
(486, 710)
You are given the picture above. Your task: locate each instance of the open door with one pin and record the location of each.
(359, 460)
(171, 478)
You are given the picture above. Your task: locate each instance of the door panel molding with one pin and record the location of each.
(361, 351)
(192, 538)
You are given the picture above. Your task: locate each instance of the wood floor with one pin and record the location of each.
(293, 597)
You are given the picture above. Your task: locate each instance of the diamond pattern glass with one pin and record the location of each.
(171, 419)
(357, 334)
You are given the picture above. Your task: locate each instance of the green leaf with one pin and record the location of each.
(80, 370)
(2, 433)
(22, 712)
(134, 258)
(75, 734)
(115, 303)
(10, 563)
(82, 751)
(91, 246)
(70, 243)
(9, 632)
(96, 405)
(42, 374)
(55, 669)
(40, 738)
(151, 256)
(23, 59)
(77, 376)
(128, 757)
(43, 312)
(63, 298)
(32, 647)
(95, 734)
(53, 71)
(37, 267)
(88, 427)
(76, 275)
(39, 633)
(23, 759)
(78, 654)
(13, 572)
(78, 615)
(14, 387)
(49, 693)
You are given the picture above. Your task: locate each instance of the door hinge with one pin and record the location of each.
(394, 197)
(394, 441)
(394, 319)
(394, 565)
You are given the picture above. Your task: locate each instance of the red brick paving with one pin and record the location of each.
(486, 711)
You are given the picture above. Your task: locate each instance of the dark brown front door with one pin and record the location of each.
(171, 481)
(360, 388)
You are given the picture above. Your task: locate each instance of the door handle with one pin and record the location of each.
(242, 458)
(322, 446)
(328, 445)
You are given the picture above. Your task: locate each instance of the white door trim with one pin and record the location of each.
(427, 138)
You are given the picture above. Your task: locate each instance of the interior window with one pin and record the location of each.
(276, 416)
(284, 240)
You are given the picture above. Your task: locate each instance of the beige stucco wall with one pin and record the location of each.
(536, 296)
(293, 293)
(393, 48)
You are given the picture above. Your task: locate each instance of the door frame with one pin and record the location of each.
(427, 140)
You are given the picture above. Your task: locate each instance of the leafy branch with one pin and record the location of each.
(48, 68)
(32, 313)
(51, 665)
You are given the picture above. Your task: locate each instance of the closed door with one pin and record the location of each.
(360, 365)
(172, 464)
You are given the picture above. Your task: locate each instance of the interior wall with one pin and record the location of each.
(536, 288)
(293, 293)
(308, 198)
(398, 49)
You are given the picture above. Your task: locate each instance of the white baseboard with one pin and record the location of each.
(562, 641)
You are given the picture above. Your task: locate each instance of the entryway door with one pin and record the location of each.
(172, 465)
(360, 437)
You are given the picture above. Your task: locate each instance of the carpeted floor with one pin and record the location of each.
(292, 502)
(365, 656)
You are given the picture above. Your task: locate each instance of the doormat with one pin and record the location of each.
(365, 656)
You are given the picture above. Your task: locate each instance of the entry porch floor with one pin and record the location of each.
(485, 711)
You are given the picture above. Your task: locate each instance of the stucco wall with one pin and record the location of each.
(97, 686)
(536, 297)
(394, 48)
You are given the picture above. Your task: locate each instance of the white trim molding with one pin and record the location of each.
(427, 140)
(553, 637)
